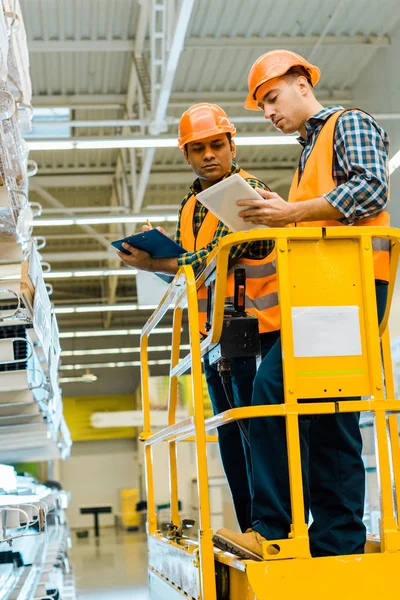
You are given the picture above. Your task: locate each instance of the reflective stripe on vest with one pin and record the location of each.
(317, 180)
(260, 304)
(261, 282)
(257, 271)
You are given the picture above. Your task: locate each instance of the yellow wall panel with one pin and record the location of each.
(78, 412)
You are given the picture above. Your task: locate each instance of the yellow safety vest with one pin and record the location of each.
(261, 282)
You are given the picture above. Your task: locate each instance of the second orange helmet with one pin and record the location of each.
(201, 121)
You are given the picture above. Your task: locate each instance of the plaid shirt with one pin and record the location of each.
(254, 250)
(360, 168)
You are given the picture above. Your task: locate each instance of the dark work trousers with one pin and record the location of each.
(333, 470)
(232, 445)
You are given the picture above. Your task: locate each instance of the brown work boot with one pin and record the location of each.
(244, 545)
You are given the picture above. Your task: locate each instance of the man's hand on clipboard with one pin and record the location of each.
(149, 226)
(137, 259)
(151, 250)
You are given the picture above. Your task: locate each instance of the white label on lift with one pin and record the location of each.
(326, 331)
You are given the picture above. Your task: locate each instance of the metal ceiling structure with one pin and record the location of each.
(122, 68)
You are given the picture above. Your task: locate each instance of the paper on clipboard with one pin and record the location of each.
(221, 200)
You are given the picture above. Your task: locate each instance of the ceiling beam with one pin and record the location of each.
(205, 95)
(57, 204)
(237, 42)
(80, 46)
(74, 170)
(67, 257)
(285, 41)
(168, 76)
(181, 176)
(83, 101)
(169, 120)
(65, 180)
(162, 86)
(177, 99)
(89, 123)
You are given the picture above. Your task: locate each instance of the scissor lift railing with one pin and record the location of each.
(316, 267)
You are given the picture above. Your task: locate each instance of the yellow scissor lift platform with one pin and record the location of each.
(316, 267)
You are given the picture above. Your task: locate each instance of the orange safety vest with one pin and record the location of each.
(261, 282)
(317, 180)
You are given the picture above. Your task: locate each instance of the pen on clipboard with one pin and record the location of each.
(149, 224)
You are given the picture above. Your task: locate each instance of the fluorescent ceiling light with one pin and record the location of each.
(110, 365)
(394, 163)
(64, 310)
(110, 332)
(266, 140)
(104, 220)
(101, 351)
(53, 222)
(10, 277)
(81, 378)
(91, 273)
(50, 145)
(149, 142)
(130, 143)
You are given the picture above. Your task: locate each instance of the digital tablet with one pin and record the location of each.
(221, 200)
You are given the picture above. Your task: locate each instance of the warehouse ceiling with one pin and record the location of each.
(112, 69)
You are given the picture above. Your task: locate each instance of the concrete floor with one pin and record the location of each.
(113, 567)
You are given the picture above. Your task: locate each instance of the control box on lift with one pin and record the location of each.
(240, 336)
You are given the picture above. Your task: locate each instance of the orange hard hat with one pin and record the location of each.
(201, 121)
(275, 64)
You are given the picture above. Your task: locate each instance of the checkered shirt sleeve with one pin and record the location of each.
(360, 167)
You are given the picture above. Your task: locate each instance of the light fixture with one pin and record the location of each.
(110, 332)
(53, 222)
(105, 220)
(50, 145)
(101, 351)
(266, 140)
(91, 273)
(64, 310)
(394, 163)
(149, 142)
(86, 378)
(111, 365)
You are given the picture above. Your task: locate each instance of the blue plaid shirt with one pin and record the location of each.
(360, 168)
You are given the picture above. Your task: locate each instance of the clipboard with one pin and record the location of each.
(221, 198)
(154, 242)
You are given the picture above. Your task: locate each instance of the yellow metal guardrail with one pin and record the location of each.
(296, 250)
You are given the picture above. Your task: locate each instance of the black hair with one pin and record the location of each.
(228, 135)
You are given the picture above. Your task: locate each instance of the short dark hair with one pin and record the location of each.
(228, 135)
(295, 72)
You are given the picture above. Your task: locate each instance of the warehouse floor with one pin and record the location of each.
(114, 567)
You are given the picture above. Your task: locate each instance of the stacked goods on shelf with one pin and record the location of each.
(34, 540)
(34, 537)
(32, 426)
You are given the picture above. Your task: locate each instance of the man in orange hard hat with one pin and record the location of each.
(206, 140)
(342, 179)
